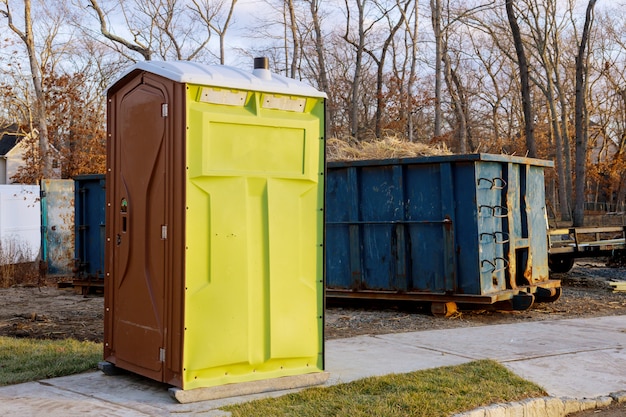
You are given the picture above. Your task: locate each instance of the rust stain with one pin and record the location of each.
(528, 272)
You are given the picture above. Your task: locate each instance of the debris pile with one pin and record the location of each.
(386, 148)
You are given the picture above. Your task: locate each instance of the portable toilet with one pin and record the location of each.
(214, 268)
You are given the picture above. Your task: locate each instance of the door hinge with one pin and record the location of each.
(164, 110)
(163, 232)
(161, 354)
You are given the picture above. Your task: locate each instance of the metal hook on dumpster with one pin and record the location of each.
(493, 264)
(497, 183)
(504, 237)
(496, 211)
(493, 235)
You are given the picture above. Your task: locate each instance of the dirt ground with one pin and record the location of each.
(54, 313)
(586, 293)
(614, 410)
(47, 311)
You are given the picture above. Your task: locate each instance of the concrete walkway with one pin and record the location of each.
(579, 358)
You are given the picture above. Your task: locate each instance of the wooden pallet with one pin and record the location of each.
(84, 286)
(618, 286)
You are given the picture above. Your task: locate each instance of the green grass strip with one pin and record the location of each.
(23, 360)
(429, 393)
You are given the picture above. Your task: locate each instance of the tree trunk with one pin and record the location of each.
(380, 73)
(44, 146)
(581, 118)
(40, 112)
(621, 190)
(567, 154)
(555, 127)
(356, 79)
(222, 32)
(294, 39)
(558, 145)
(409, 88)
(321, 59)
(529, 123)
(457, 102)
(435, 7)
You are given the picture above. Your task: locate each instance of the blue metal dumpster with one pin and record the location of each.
(89, 231)
(444, 229)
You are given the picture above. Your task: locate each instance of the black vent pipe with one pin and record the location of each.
(261, 63)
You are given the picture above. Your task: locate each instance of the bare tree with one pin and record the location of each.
(394, 26)
(359, 46)
(167, 28)
(411, 22)
(27, 36)
(457, 95)
(524, 78)
(492, 89)
(289, 33)
(295, 39)
(319, 73)
(609, 110)
(564, 103)
(319, 45)
(451, 23)
(545, 35)
(213, 15)
(15, 86)
(581, 121)
(435, 7)
(137, 45)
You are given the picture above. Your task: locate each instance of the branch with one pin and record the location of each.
(7, 13)
(144, 51)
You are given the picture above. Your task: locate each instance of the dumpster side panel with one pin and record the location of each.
(58, 222)
(254, 235)
(390, 227)
(466, 227)
(513, 224)
(427, 233)
(537, 223)
(343, 242)
(526, 225)
(492, 210)
(381, 212)
(89, 201)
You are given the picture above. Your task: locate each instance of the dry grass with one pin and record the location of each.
(15, 267)
(387, 148)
